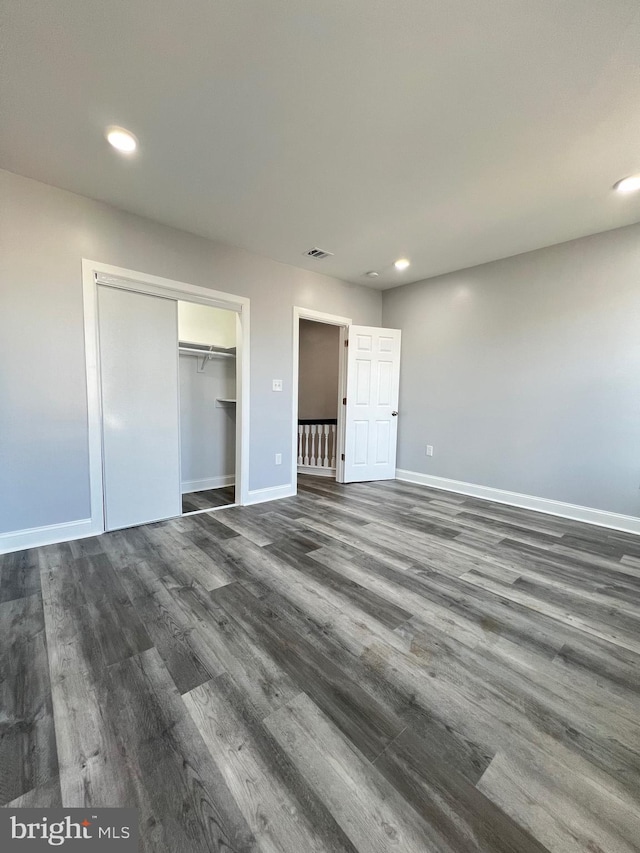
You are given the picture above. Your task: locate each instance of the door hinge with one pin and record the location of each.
(342, 456)
(346, 343)
(344, 401)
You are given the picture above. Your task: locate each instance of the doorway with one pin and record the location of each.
(366, 411)
(319, 366)
(318, 398)
(149, 439)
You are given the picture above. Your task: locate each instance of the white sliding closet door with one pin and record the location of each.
(140, 411)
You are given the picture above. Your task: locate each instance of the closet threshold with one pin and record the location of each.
(210, 509)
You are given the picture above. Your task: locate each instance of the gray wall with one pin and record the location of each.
(207, 431)
(44, 234)
(524, 374)
(318, 370)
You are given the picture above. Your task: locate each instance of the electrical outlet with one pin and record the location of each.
(429, 449)
(277, 385)
(278, 458)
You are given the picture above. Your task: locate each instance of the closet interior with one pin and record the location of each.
(207, 381)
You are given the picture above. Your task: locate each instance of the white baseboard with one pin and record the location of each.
(34, 537)
(272, 493)
(599, 517)
(205, 485)
(316, 472)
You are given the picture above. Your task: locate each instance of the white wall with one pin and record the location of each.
(524, 374)
(203, 324)
(207, 431)
(44, 234)
(318, 370)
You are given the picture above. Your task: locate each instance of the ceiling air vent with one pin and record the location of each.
(318, 253)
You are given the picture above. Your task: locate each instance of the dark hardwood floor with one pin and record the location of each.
(208, 499)
(373, 667)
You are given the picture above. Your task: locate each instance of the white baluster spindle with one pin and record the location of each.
(312, 456)
(325, 458)
(306, 444)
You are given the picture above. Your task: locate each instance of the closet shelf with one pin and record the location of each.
(223, 403)
(206, 352)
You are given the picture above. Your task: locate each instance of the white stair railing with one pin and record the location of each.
(317, 446)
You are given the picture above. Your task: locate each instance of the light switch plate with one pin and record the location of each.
(277, 385)
(278, 458)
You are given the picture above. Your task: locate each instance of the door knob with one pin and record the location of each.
(394, 414)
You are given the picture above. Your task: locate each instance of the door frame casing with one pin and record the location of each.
(178, 291)
(300, 313)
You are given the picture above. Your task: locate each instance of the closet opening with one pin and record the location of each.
(207, 381)
(167, 366)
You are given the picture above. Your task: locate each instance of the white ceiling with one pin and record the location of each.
(452, 132)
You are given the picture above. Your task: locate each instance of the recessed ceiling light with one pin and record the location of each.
(121, 139)
(372, 274)
(628, 185)
(402, 264)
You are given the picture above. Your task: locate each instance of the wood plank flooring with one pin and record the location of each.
(208, 499)
(365, 668)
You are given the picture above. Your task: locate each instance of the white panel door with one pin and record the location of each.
(140, 410)
(371, 419)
